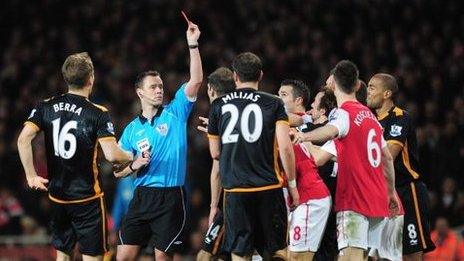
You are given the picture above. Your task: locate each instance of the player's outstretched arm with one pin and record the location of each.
(25, 138)
(287, 157)
(196, 70)
(215, 190)
(321, 134)
(321, 157)
(113, 153)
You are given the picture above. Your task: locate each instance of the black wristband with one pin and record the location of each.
(193, 46)
(130, 167)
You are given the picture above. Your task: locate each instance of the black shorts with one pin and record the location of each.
(255, 220)
(81, 223)
(214, 236)
(416, 230)
(157, 212)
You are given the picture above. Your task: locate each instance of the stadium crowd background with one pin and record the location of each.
(420, 42)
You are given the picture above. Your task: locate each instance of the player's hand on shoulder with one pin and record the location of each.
(203, 125)
(37, 183)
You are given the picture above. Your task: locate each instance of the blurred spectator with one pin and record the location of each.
(11, 212)
(445, 240)
(448, 199)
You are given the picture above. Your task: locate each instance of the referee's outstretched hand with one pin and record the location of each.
(193, 32)
(37, 183)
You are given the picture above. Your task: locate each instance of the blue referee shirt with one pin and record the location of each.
(166, 136)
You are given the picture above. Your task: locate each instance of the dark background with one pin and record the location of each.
(420, 42)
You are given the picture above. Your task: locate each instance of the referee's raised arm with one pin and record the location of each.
(196, 70)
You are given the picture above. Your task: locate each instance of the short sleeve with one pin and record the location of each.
(330, 147)
(340, 120)
(213, 123)
(181, 105)
(281, 113)
(35, 117)
(105, 128)
(124, 141)
(397, 130)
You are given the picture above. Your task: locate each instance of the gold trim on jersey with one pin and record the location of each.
(211, 136)
(103, 108)
(419, 220)
(405, 156)
(96, 184)
(277, 169)
(383, 115)
(218, 241)
(282, 122)
(30, 123)
(398, 111)
(399, 143)
(74, 201)
(103, 210)
(107, 138)
(255, 189)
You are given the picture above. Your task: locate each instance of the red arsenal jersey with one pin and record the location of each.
(361, 185)
(309, 183)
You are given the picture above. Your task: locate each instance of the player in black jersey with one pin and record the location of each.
(400, 134)
(73, 127)
(220, 82)
(245, 127)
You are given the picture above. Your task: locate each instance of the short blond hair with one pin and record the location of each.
(77, 69)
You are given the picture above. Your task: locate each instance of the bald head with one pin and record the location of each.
(388, 82)
(381, 88)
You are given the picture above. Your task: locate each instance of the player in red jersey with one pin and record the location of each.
(363, 199)
(308, 221)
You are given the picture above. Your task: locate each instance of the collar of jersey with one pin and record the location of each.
(143, 119)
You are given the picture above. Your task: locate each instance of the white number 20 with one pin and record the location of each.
(373, 148)
(249, 136)
(60, 139)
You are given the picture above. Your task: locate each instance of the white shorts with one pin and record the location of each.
(356, 230)
(307, 224)
(391, 242)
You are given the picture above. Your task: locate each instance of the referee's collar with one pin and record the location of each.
(158, 113)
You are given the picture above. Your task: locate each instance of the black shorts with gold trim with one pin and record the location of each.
(83, 223)
(214, 237)
(416, 230)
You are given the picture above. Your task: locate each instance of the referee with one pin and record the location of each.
(157, 209)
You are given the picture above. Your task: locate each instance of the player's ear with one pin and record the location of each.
(260, 75)
(358, 85)
(139, 92)
(387, 94)
(236, 77)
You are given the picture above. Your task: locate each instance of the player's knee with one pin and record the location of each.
(126, 254)
(162, 256)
